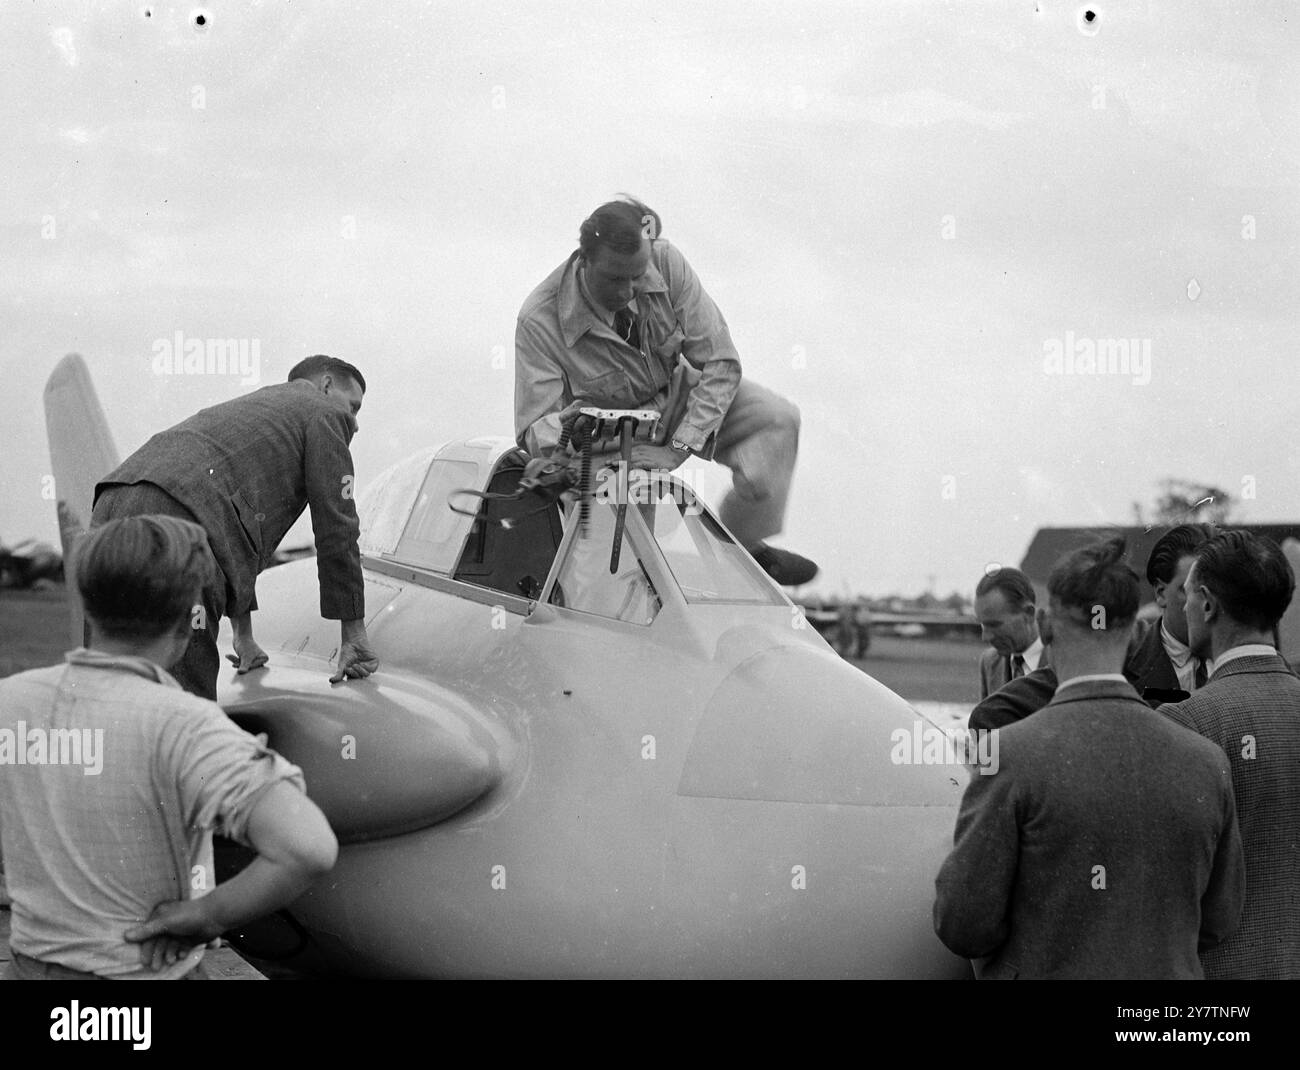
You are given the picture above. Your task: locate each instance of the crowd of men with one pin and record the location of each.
(1144, 822)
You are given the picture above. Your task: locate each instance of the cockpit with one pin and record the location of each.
(518, 554)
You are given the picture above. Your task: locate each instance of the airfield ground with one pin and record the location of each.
(938, 674)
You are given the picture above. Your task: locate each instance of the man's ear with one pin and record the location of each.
(1161, 587)
(1044, 625)
(1211, 603)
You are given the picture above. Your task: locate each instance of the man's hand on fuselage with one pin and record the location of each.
(356, 659)
(248, 655)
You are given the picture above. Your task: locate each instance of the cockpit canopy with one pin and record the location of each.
(406, 520)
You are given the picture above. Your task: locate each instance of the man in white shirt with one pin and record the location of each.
(1005, 606)
(113, 779)
(1164, 665)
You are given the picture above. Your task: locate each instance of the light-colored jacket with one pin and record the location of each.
(564, 351)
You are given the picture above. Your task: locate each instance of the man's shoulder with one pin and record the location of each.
(94, 683)
(28, 682)
(542, 302)
(1250, 689)
(1015, 700)
(989, 657)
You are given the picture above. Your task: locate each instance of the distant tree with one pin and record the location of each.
(1182, 501)
(956, 602)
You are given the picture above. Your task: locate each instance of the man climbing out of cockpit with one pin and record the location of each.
(624, 323)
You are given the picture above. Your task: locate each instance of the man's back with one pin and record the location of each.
(1104, 846)
(246, 468)
(1251, 709)
(89, 853)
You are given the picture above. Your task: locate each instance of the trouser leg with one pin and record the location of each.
(759, 442)
(196, 671)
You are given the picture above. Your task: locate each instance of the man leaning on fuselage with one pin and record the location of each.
(244, 470)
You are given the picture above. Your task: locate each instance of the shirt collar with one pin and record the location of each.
(578, 313)
(1088, 678)
(97, 659)
(1246, 650)
(1179, 652)
(1032, 654)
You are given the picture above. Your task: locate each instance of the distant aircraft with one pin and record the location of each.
(561, 771)
(28, 561)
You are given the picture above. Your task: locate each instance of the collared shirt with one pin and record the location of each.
(1181, 658)
(1032, 654)
(1089, 677)
(1246, 650)
(565, 350)
(112, 780)
(605, 314)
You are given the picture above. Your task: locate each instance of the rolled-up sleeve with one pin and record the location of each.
(539, 390)
(222, 771)
(707, 347)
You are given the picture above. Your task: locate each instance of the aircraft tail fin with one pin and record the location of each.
(81, 453)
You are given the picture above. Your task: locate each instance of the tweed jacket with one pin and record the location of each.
(1105, 846)
(246, 469)
(1251, 709)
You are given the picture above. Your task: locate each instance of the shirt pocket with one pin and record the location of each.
(612, 389)
(666, 338)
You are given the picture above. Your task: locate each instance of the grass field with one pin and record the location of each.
(34, 632)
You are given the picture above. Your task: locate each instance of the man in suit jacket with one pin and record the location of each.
(1237, 590)
(1017, 699)
(244, 470)
(1004, 606)
(1164, 668)
(1106, 844)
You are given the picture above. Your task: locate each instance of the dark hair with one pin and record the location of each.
(1013, 584)
(618, 225)
(1172, 547)
(1249, 574)
(1097, 576)
(140, 575)
(320, 364)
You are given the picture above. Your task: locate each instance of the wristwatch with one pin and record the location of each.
(678, 445)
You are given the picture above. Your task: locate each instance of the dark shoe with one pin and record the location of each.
(789, 570)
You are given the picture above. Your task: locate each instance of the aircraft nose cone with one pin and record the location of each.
(800, 725)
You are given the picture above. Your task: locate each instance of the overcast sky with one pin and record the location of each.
(903, 210)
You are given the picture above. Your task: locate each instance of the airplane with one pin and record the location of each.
(27, 562)
(561, 770)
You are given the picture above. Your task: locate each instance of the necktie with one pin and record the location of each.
(1200, 674)
(1017, 666)
(625, 327)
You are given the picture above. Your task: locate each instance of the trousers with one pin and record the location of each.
(197, 669)
(759, 441)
